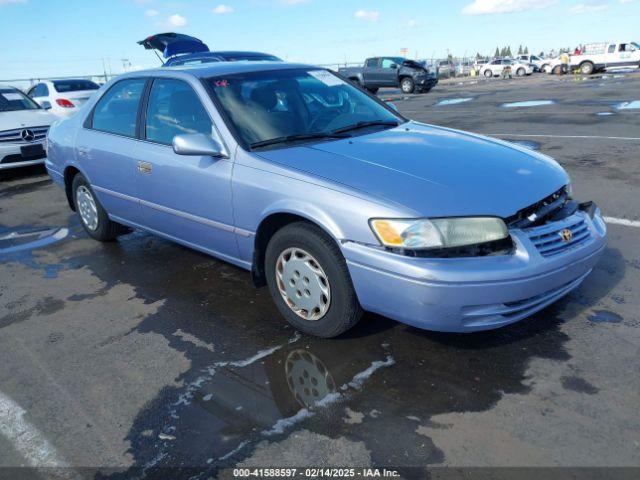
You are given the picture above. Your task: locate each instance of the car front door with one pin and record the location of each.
(388, 73)
(106, 145)
(187, 198)
(371, 72)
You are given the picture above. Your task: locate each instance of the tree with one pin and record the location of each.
(526, 50)
(478, 56)
(520, 50)
(503, 51)
(541, 54)
(508, 54)
(497, 54)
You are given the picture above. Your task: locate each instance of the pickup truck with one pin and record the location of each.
(597, 57)
(379, 72)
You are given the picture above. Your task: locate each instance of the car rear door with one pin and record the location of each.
(106, 146)
(187, 198)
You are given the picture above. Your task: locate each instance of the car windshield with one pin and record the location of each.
(63, 86)
(285, 106)
(12, 100)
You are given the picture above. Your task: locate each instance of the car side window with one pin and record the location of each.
(173, 109)
(612, 48)
(388, 63)
(372, 63)
(117, 110)
(40, 90)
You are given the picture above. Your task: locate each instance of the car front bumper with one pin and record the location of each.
(479, 293)
(11, 156)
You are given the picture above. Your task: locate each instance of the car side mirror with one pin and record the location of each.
(46, 105)
(197, 144)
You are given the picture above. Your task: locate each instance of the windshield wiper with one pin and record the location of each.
(297, 137)
(370, 123)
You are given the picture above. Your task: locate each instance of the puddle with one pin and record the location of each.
(604, 114)
(529, 103)
(453, 101)
(19, 241)
(633, 105)
(605, 316)
(527, 144)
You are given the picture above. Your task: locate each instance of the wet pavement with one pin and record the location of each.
(140, 354)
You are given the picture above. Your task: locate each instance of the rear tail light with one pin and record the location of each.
(64, 103)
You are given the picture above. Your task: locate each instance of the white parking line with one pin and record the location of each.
(598, 137)
(27, 440)
(622, 221)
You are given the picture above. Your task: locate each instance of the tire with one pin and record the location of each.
(407, 85)
(557, 70)
(105, 230)
(544, 68)
(521, 72)
(488, 73)
(340, 308)
(587, 68)
(372, 90)
(356, 82)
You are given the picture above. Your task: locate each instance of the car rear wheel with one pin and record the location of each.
(93, 217)
(587, 68)
(372, 90)
(521, 72)
(309, 281)
(488, 73)
(407, 85)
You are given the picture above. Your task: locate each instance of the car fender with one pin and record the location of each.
(311, 212)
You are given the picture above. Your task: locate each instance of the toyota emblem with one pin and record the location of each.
(28, 135)
(566, 235)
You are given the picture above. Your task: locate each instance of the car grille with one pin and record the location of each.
(19, 158)
(553, 239)
(15, 135)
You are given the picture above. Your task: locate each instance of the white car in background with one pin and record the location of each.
(495, 67)
(539, 62)
(23, 129)
(600, 57)
(63, 97)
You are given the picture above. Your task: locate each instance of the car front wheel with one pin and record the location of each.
(407, 85)
(488, 73)
(93, 217)
(521, 72)
(309, 281)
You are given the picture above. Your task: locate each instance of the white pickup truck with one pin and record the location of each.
(601, 56)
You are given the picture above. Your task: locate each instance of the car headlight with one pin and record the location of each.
(438, 232)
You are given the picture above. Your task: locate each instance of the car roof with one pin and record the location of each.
(205, 70)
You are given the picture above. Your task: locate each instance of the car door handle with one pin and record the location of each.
(144, 167)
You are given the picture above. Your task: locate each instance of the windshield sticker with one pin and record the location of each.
(11, 96)
(222, 83)
(327, 78)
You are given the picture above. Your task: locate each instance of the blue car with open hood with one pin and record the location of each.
(328, 196)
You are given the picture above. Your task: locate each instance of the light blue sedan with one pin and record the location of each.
(328, 196)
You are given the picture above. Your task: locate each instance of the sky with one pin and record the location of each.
(42, 38)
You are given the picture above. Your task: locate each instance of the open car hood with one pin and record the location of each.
(171, 44)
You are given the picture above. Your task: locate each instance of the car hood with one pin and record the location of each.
(433, 171)
(25, 118)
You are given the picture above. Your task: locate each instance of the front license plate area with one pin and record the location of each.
(32, 151)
